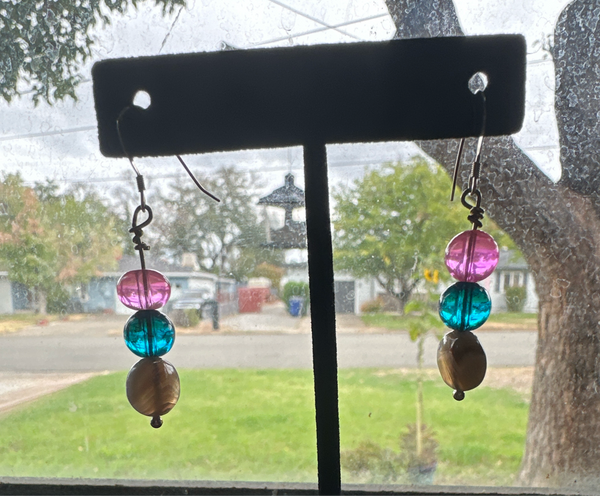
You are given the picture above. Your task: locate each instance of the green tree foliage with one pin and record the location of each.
(394, 223)
(25, 244)
(271, 272)
(226, 237)
(515, 298)
(45, 42)
(48, 239)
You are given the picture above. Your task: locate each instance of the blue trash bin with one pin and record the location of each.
(296, 304)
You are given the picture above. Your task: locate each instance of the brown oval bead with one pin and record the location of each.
(461, 361)
(153, 387)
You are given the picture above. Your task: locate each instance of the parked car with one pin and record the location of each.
(190, 299)
(200, 300)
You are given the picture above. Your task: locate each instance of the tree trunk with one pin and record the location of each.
(563, 438)
(420, 351)
(40, 296)
(557, 228)
(401, 297)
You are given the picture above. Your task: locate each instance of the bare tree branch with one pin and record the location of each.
(576, 54)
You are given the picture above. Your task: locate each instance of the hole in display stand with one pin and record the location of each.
(478, 82)
(142, 99)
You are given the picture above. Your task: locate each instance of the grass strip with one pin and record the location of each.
(256, 425)
(496, 321)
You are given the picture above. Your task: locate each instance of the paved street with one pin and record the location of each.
(40, 360)
(76, 352)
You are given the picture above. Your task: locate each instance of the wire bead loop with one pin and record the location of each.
(476, 212)
(137, 229)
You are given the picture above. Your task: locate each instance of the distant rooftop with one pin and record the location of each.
(132, 262)
(287, 195)
(511, 260)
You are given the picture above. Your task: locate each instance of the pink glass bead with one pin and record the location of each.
(143, 289)
(471, 256)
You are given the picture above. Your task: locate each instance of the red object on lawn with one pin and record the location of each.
(250, 300)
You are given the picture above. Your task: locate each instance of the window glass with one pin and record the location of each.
(246, 410)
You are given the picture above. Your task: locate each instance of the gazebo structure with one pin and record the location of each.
(293, 233)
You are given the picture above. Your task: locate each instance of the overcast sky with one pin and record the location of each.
(203, 25)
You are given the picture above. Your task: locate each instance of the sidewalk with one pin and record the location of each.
(21, 387)
(274, 318)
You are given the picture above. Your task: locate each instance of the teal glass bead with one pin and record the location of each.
(465, 306)
(149, 333)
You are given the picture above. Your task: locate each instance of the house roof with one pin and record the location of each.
(132, 262)
(287, 195)
(511, 260)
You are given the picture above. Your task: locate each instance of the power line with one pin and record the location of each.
(282, 168)
(314, 19)
(47, 133)
(306, 33)
(326, 27)
(164, 41)
(94, 128)
(539, 61)
(318, 30)
(540, 147)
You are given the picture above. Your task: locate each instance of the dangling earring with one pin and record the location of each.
(470, 257)
(152, 384)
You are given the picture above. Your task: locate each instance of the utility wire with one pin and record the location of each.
(282, 168)
(47, 133)
(93, 128)
(540, 147)
(164, 41)
(318, 30)
(326, 27)
(314, 19)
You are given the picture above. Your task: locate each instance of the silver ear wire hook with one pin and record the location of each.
(196, 182)
(140, 178)
(476, 168)
(456, 166)
(476, 212)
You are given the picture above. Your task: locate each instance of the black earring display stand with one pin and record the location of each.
(310, 96)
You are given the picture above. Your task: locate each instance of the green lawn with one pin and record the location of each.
(514, 318)
(255, 425)
(495, 321)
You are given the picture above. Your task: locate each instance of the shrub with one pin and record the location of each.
(371, 463)
(57, 300)
(515, 298)
(294, 288)
(185, 318)
(408, 447)
(372, 306)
